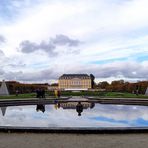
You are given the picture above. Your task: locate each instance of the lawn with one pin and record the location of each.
(83, 93)
(101, 94)
(20, 96)
(123, 95)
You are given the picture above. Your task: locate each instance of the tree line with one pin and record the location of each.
(115, 86)
(122, 86)
(22, 88)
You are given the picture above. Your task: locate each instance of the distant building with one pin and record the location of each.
(75, 82)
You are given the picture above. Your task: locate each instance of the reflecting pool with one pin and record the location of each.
(74, 115)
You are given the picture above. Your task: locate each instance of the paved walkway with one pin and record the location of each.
(28, 140)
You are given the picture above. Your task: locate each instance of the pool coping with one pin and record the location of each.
(74, 130)
(117, 101)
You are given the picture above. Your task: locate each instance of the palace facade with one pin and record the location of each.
(75, 82)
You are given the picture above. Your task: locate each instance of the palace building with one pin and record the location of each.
(75, 82)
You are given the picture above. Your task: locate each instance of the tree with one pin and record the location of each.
(103, 85)
(92, 80)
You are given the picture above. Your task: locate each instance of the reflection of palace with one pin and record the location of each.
(78, 106)
(72, 105)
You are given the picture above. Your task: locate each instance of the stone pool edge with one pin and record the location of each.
(75, 130)
(125, 101)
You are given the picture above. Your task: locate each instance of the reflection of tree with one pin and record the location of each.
(92, 105)
(40, 107)
(79, 108)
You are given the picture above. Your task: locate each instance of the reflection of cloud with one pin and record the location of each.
(100, 116)
(121, 112)
(1, 53)
(2, 39)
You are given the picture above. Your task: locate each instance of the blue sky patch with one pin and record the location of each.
(100, 118)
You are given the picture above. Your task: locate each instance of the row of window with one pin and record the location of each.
(69, 78)
(74, 86)
(74, 83)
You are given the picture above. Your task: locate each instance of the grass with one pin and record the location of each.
(20, 96)
(123, 95)
(102, 94)
(83, 93)
(69, 93)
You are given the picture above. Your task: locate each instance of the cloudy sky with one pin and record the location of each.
(42, 39)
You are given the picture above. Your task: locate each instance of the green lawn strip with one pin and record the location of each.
(103, 94)
(68, 93)
(50, 95)
(20, 96)
(123, 95)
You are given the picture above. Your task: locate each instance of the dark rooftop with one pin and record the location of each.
(74, 76)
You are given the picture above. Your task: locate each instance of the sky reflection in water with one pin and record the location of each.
(98, 116)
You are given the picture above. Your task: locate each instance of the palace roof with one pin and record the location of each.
(71, 76)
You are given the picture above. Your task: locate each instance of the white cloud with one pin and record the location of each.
(107, 29)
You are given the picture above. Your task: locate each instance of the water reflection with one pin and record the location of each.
(40, 107)
(66, 115)
(3, 109)
(78, 106)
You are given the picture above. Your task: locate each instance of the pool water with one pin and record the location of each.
(93, 115)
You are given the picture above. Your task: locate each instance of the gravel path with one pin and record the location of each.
(30, 140)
